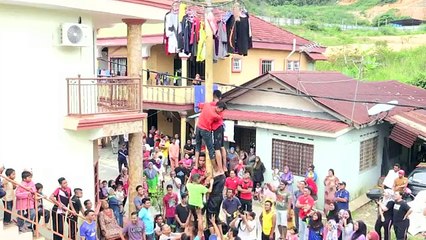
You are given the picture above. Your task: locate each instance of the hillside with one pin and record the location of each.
(353, 12)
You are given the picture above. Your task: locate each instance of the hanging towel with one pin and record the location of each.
(182, 11)
(201, 51)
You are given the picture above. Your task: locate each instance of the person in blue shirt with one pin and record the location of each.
(122, 157)
(147, 219)
(88, 228)
(342, 197)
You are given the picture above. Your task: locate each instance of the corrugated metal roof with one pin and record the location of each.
(315, 124)
(333, 84)
(408, 126)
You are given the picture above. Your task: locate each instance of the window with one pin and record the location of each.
(368, 153)
(119, 66)
(293, 65)
(266, 66)
(297, 156)
(236, 65)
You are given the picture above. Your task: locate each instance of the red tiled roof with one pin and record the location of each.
(316, 56)
(287, 120)
(333, 84)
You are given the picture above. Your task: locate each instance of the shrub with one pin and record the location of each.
(313, 26)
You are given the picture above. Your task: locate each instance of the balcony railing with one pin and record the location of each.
(89, 96)
(173, 94)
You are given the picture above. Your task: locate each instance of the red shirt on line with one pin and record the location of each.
(246, 184)
(208, 118)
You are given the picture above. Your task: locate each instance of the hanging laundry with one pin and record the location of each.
(182, 10)
(201, 51)
(239, 34)
(221, 42)
(171, 25)
(212, 22)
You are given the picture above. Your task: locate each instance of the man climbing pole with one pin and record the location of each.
(210, 117)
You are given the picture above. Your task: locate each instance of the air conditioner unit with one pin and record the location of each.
(77, 35)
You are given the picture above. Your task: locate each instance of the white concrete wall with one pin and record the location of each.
(341, 154)
(33, 97)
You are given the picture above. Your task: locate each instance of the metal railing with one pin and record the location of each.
(71, 224)
(89, 96)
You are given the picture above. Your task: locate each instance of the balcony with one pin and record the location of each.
(91, 96)
(175, 95)
(120, 95)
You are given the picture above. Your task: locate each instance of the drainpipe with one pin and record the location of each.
(291, 53)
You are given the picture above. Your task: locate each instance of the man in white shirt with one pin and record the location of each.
(392, 175)
(246, 225)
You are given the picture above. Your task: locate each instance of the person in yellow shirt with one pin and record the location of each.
(165, 146)
(268, 220)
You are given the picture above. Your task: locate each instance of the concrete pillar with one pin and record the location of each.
(145, 124)
(184, 70)
(134, 67)
(182, 129)
(144, 73)
(135, 166)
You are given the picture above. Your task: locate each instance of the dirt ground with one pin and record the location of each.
(368, 213)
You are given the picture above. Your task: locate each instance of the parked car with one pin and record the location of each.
(417, 179)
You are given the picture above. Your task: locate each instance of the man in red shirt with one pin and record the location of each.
(245, 187)
(231, 182)
(208, 119)
(170, 201)
(305, 203)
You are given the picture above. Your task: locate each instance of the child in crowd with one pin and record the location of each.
(41, 211)
(25, 201)
(258, 192)
(240, 168)
(88, 204)
(187, 161)
(9, 188)
(292, 234)
(120, 195)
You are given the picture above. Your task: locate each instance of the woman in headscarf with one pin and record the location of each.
(287, 177)
(108, 224)
(372, 235)
(331, 231)
(360, 231)
(385, 214)
(332, 212)
(151, 175)
(330, 187)
(315, 226)
(346, 225)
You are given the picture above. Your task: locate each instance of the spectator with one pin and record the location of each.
(231, 182)
(9, 189)
(245, 188)
(122, 157)
(288, 177)
(88, 227)
(330, 231)
(182, 214)
(230, 206)
(346, 226)
(391, 176)
(310, 173)
(135, 229)
(147, 219)
(342, 197)
(267, 221)
(385, 214)
(170, 200)
(330, 186)
(305, 203)
(108, 224)
(258, 171)
(401, 214)
(315, 226)
(246, 225)
(400, 183)
(360, 231)
(25, 201)
(78, 208)
(41, 211)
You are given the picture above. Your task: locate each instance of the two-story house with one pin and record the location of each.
(274, 49)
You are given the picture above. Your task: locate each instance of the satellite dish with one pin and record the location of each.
(382, 107)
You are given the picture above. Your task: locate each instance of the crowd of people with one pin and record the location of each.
(194, 199)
